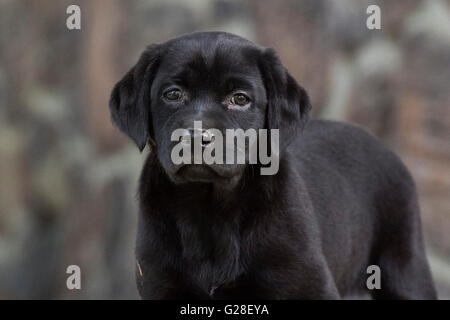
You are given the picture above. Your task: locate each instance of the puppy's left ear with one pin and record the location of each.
(130, 98)
(288, 103)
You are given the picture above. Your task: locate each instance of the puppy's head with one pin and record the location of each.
(222, 80)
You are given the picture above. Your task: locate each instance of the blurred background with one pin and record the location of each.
(68, 178)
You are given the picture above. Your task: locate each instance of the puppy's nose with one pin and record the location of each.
(205, 136)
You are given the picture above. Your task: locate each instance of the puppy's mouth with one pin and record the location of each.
(197, 173)
(216, 174)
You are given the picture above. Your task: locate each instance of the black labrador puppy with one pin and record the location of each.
(339, 202)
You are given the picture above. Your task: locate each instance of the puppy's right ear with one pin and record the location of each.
(130, 98)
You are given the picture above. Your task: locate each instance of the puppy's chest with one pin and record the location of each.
(210, 252)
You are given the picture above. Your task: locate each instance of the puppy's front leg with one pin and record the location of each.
(305, 281)
(164, 285)
(317, 283)
(311, 281)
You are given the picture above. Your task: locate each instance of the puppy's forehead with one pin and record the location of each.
(209, 55)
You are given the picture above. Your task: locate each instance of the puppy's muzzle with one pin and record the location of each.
(204, 136)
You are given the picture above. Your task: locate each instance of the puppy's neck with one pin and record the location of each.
(157, 188)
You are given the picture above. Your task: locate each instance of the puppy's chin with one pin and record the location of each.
(220, 175)
(197, 173)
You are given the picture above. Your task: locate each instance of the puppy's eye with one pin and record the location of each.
(173, 95)
(240, 99)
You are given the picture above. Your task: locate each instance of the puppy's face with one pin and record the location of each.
(222, 80)
(205, 79)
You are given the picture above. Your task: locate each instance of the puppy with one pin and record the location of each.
(339, 202)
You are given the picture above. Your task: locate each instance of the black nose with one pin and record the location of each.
(205, 136)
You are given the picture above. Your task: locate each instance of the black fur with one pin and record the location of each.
(340, 202)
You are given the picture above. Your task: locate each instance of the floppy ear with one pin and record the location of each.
(130, 98)
(287, 102)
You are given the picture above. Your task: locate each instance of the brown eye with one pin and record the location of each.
(240, 99)
(173, 95)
